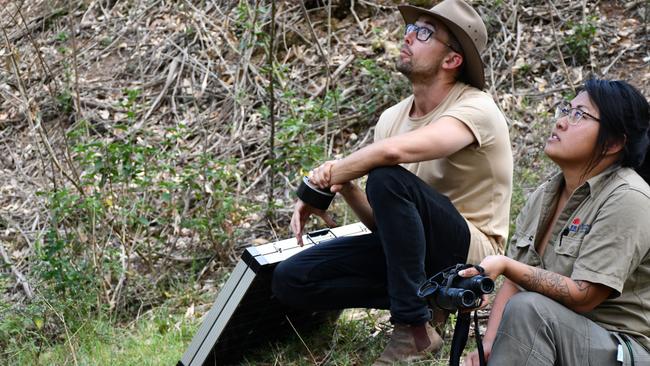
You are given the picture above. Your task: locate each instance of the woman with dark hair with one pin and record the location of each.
(577, 286)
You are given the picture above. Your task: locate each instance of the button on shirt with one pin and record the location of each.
(601, 236)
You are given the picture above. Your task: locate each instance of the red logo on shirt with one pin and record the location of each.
(576, 221)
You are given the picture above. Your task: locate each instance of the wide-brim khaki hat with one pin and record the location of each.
(468, 28)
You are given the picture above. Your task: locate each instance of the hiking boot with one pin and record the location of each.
(439, 320)
(410, 343)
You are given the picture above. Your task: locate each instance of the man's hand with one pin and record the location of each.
(344, 189)
(301, 213)
(321, 176)
(472, 358)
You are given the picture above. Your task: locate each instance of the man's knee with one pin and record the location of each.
(386, 172)
(384, 178)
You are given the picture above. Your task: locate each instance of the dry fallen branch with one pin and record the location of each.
(20, 278)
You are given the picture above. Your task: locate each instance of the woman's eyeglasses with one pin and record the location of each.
(575, 114)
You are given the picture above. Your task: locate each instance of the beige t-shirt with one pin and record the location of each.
(602, 236)
(478, 178)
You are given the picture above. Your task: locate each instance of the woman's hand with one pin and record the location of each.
(472, 358)
(494, 266)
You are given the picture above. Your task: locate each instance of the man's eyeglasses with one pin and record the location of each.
(574, 114)
(423, 34)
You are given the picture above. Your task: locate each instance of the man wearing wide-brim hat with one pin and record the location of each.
(438, 189)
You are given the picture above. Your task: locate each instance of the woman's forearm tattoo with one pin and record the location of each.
(554, 286)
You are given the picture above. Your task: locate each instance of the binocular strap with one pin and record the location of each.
(461, 333)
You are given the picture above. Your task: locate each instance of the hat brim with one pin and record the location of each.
(473, 71)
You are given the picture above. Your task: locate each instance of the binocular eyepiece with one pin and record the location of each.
(456, 292)
(466, 295)
(456, 298)
(478, 284)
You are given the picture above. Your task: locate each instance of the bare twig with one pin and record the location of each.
(19, 276)
(33, 116)
(302, 340)
(569, 78)
(271, 66)
(65, 327)
(171, 75)
(614, 61)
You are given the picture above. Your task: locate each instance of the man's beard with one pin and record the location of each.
(407, 69)
(404, 67)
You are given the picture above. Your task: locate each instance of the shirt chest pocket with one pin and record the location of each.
(566, 252)
(568, 246)
(522, 251)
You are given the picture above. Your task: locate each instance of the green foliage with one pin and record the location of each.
(578, 40)
(129, 102)
(62, 37)
(136, 197)
(98, 342)
(20, 329)
(568, 94)
(248, 30)
(60, 265)
(298, 132)
(357, 337)
(143, 185)
(190, 32)
(384, 88)
(106, 41)
(525, 69)
(64, 101)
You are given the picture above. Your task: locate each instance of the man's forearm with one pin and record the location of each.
(441, 138)
(358, 201)
(360, 162)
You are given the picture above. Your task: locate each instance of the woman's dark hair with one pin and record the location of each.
(624, 116)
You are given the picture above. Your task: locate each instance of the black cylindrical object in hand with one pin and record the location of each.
(453, 299)
(314, 196)
(479, 284)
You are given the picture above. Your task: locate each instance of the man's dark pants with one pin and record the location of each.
(418, 233)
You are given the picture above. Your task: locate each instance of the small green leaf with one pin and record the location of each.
(38, 322)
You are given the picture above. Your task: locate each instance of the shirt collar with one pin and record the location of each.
(592, 184)
(554, 183)
(597, 182)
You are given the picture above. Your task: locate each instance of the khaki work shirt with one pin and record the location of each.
(602, 236)
(478, 178)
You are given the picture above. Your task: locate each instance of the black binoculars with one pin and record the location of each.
(314, 196)
(449, 291)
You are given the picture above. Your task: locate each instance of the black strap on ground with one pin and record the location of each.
(479, 343)
(461, 333)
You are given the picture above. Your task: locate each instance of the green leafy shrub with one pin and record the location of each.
(578, 40)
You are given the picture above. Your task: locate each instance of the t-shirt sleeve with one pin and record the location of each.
(380, 128)
(476, 111)
(617, 241)
(387, 119)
